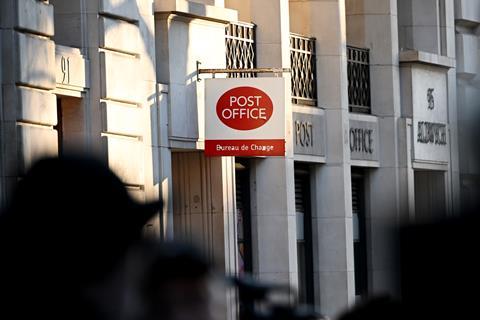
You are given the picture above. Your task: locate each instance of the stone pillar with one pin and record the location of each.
(373, 25)
(273, 198)
(28, 112)
(332, 210)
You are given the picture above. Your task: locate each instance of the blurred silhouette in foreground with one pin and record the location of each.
(263, 301)
(439, 271)
(440, 268)
(378, 308)
(63, 235)
(71, 248)
(171, 281)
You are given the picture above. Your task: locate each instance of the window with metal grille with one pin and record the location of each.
(302, 60)
(358, 69)
(240, 48)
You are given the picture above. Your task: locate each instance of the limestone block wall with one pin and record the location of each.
(28, 108)
(120, 104)
(127, 97)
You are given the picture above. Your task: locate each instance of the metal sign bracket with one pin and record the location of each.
(213, 72)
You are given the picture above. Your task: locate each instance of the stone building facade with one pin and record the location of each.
(375, 98)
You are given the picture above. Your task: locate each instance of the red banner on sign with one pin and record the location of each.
(274, 147)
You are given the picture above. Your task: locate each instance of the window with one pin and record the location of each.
(358, 69)
(240, 48)
(302, 60)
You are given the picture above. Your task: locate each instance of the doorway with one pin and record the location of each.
(70, 124)
(359, 232)
(303, 214)
(430, 195)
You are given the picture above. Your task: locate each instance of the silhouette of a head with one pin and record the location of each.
(67, 226)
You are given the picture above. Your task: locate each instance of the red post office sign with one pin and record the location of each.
(245, 117)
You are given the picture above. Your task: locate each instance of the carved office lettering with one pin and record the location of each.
(361, 140)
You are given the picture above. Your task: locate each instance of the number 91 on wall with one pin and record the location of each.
(245, 117)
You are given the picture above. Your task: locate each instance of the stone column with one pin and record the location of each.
(273, 197)
(373, 24)
(332, 210)
(28, 113)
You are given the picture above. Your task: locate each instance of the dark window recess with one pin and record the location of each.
(304, 235)
(359, 234)
(240, 48)
(304, 75)
(244, 238)
(59, 126)
(358, 69)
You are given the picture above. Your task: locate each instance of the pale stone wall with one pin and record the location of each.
(28, 76)
(118, 110)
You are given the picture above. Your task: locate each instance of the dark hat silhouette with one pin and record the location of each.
(69, 223)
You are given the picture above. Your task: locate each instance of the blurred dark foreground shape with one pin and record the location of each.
(171, 281)
(64, 232)
(439, 271)
(441, 268)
